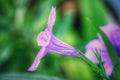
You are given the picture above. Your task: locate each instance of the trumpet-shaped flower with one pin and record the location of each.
(50, 43)
(102, 50)
(112, 31)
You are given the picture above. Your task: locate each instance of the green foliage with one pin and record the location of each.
(26, 76)
(22, 20)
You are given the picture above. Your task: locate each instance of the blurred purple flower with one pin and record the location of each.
(112, 31)
(102, 50)
(50, 43)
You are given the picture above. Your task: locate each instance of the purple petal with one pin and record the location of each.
(108, 67)
(113, 33)
(36, 62)
(90, 55)
(60, 47)
(96, 44)
(100, 46)
(43, 38)
(51, 19)
(111, 27)
(115, 40)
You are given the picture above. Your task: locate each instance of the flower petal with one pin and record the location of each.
(108, 28)
(51, 19)
(90, 55)
(96, 44)
(36, 62)
(112, 31)
(60, 47)
(115, 40)
(108, 67)
(43, 38)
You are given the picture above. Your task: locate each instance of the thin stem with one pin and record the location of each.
(92, 65)
(101, 64)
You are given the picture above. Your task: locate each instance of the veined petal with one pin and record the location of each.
(108, 67)
(112, 31)
(39, 56)
(51, 19)
(115, 40)
(90, 55)
(60, 47)
(43, 38)
(96, 44)
(102, 50)
(110, 27)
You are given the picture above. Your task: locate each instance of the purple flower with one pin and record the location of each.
(112, 31)
(102, 50)
(50, 43)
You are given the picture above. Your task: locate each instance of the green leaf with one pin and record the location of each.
(94, 10)
(101, 64)
(26, 76)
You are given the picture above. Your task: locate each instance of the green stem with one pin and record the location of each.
(92, 65)
(101, 64)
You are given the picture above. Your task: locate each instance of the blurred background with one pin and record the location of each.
(22, 20)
